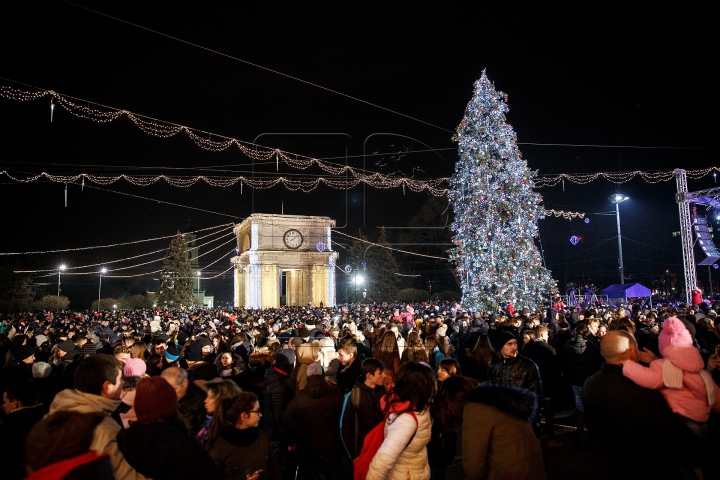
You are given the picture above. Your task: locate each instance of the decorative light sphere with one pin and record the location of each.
(587, 220)
(574, 240)
(320, 247)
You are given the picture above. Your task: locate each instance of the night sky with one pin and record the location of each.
(609, 78)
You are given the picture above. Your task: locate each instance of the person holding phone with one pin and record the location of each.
(243, 451)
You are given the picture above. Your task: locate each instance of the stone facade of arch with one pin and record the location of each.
(284, 260)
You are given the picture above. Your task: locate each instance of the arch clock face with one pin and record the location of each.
(293, 239)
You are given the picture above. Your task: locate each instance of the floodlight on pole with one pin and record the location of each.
(102, 271)
(60, 269)
(617, 199)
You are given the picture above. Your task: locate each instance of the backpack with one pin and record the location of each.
(354, 397)
(371, 445)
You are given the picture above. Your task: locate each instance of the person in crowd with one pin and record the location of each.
(407, 424)
(243, 451)
(216, 404)
(445, 447)
(98, 385)
(139, 350)
(314, 416)
(329, 359)
(153, 365)
(306, 354)
(498, 440)
(157, 444)
(347, 354)
(513, 370)
(21, 413)
(60, 446)
(434, 354)
(278, 394)
(388, 353)
(582, 359)
(231, 366)
(447, 368)
(545, 357)
(190, 396)
(680, 376)
(133, 371)
(122, 354)
(361, 406)
(414, 349)
(476, 364)
(20, 365)
(626, 417)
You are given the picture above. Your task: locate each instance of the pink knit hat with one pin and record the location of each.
(134, 367)
(674, 333)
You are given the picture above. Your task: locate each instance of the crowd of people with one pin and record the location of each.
(423, 391)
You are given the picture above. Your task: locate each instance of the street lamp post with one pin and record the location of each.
(104, 270)
(617, 199)
(198, 286)
(60, 269)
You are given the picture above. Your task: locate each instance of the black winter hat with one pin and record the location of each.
(193, 353)
(21, 353)
(502, 338)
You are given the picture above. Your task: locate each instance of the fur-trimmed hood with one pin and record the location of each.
(519, 403)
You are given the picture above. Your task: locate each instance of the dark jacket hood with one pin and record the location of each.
(577, 345)
(316, 386)
(519, 403)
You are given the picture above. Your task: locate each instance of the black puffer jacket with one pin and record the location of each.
(278, 394)
(582, 359)
(314, 414)
(161, 450)
(516, 372)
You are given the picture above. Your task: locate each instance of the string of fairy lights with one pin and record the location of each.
(133, 242)
(165, 129)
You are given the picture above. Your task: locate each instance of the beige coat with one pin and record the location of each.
(105, 438)
(393, 460)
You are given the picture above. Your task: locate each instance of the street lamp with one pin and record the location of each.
(358, 281)
(617, 199)
(103, 270)
(198, 285)
(60, 269)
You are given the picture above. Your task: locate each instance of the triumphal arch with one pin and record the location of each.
(284, 260)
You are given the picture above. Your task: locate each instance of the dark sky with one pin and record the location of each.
(582, 76)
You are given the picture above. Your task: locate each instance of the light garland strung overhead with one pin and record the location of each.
(163, 129)
(434, 186)
(134, 242)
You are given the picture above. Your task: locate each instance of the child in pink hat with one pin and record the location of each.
(680, 376)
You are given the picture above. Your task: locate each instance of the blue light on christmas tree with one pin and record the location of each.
(496, 210)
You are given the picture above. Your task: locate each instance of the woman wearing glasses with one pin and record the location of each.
(242, 451)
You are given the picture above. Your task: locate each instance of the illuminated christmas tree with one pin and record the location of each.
(496, 211)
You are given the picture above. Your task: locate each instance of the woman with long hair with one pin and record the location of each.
(448, 367)
(139, 350)
(217, 394)
(475, 366)
(434, 353)
(386, 350)
(242, 450)
(402, 454)
(445, 448)
(414, 350)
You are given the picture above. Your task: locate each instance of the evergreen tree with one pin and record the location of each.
(378, 278)
(176, 276)
(496, 210)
